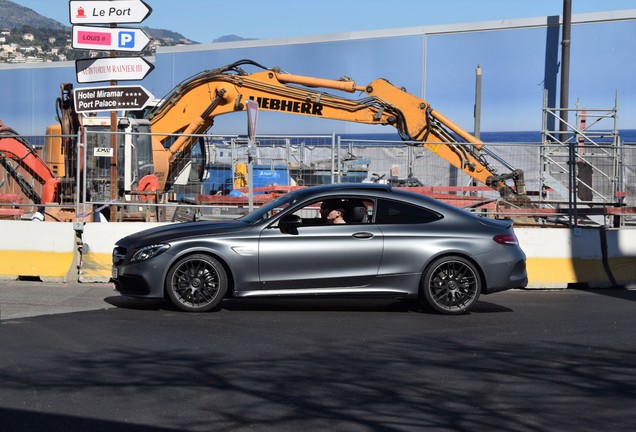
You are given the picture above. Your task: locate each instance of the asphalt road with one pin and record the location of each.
(86, 359)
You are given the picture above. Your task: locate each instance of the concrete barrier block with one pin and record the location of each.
(98, 241)
(559, 257)
(38, 249)
(621, 256)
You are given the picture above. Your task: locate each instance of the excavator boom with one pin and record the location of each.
(192, 106)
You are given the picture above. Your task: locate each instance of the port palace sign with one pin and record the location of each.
(113, 98)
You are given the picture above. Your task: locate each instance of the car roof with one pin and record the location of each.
(342, 188)
(379, 190)
(382, 190)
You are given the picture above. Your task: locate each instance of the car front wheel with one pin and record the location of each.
(451, 285)
(196, 283)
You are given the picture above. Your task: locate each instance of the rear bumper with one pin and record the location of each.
(515, 276)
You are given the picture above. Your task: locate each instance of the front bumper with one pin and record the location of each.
(141, 278)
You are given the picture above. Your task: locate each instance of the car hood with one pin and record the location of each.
(170, 232)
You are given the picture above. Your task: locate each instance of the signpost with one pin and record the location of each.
(108, 12)
(110, 98)
(113, 39)
(109, 39)
(112, 68)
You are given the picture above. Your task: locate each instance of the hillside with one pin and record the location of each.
(26, 36)
(13, 15)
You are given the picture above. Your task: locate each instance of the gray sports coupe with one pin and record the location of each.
(364, 240)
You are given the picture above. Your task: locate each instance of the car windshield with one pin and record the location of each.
(270, 209)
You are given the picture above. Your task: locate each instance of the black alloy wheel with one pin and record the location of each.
(451, 285)
(196, 283)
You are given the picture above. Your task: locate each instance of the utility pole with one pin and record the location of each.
(565, 95)
(477, 114)
(565, 66)
(477, 128)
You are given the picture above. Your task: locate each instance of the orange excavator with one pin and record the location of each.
(192, 105)
(190, 108)
(156, 143)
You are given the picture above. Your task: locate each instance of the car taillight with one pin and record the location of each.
(506, 239)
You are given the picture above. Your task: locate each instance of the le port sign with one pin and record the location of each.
(112, 98)
(108, 12)
(112, 68)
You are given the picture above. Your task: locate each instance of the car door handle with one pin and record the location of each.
(363, 235)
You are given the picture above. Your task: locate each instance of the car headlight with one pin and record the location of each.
(148, 252)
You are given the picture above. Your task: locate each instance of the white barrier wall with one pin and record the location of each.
(556, 257)
(38, 249)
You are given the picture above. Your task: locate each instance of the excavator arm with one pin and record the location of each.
(14, 148)
(192, 106)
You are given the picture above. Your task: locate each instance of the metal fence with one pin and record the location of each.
(215, 167)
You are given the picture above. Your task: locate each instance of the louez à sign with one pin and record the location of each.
(111, 98)
(112, 69)
(109, 39)
(108, 12)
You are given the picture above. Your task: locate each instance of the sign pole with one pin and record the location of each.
(81, 193)
(114, 179)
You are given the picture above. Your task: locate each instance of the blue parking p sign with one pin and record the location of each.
(126, 39)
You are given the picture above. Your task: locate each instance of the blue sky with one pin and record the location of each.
(514, 64)
(206, 20)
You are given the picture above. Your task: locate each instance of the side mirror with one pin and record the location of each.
(289, 224)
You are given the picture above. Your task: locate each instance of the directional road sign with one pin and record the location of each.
(112, 69)
(109, 39)
(108, 12)
(112, 98)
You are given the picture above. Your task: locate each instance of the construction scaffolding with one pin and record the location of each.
(581, 163)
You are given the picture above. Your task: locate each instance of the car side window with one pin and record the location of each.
(353, 210)
(399, 213)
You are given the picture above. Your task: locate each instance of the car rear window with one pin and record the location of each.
(399, 213)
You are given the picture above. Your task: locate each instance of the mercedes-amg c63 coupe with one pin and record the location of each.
(390, 243)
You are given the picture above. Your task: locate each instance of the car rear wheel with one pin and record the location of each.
(451, 285)
(196, 283)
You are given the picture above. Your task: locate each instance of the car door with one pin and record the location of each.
(320, 256)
